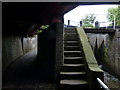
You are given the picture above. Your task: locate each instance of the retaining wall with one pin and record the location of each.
(107, 50)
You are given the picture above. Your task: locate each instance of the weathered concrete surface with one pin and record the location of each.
(59, 50)
(107, 50)
(99, 37)
(29, 43)
(114, 54)
(14, 47)
(92, 68)
(98, 42)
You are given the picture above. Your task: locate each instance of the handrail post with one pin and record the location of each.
(114, 21)
(81, 23)
(68, 22)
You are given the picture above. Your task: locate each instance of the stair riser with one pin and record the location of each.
(79, 76)
(72, 48)
(71, 43)
(74, 87)
(75, 34)
(70, 31)
(69, 28)
(73, 69)
(70, 36)
(71, 39)
(73, 61)
(72, 54)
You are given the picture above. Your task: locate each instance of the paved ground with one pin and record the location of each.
(26, 72)
(112, 82)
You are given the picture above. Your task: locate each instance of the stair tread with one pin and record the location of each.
(73, 33)
(73, 82)
(69, 30)
(72, 73)
(71, 41)
(71, 46)
(73, 57)
(72, 51)
(73, 65)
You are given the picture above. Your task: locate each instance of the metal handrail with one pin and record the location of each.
(102, 84)
(99, 22)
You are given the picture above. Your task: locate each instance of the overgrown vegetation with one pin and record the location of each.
(43, 27)
(114, 13)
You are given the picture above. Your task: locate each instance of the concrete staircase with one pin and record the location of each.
(73, 74)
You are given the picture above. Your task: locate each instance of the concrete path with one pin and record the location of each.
(26, 72)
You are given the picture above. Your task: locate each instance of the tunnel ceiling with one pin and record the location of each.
(21, 16)
(35, 12)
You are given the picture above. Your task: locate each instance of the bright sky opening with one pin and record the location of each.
(100, 11)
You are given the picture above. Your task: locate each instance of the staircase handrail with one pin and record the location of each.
(102, 85)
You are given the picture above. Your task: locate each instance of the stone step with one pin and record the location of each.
(73, 60)
(73, 75)
(73, 84)
(72, 53)
(72, 48)
(72, 67)
(71, 43)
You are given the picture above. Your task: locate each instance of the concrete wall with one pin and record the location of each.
(46, 53)
(29, 44)
(59, 50)
(50, 52)
(15, 46)
(107, 51)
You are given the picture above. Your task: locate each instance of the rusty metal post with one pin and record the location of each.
(81, 23)
(68, 22)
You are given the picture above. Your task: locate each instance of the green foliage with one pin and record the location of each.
(89, 20)
(111, 13)
(87, 25)
(42, 28)
(39, 31)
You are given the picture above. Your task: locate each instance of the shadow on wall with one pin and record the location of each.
(14, 47)
(46, 52)
(98, 43)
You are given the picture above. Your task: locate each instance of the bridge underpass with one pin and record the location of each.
(27, 70)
